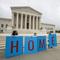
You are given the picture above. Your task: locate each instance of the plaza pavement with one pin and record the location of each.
(50, 54)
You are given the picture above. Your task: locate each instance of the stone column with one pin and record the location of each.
(33, 22)
(29, 22)
(12, 19)
(17, 21)
(25, 21)
(36, 23)
(39, 23)
(21, 21)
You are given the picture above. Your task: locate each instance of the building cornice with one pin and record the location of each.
(5, 18)
(48, 24)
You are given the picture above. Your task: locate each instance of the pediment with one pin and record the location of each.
(26, 9)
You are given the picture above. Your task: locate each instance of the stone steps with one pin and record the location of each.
(2, 44)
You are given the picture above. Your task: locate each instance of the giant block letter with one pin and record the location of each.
(52, 40)
(30, 46)
(14, 46)
(41, 43)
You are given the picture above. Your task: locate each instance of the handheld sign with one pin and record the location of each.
(41, 43)
(14, 46)
(52, 40)
(30, 46)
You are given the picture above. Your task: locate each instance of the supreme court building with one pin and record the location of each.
(26, 20)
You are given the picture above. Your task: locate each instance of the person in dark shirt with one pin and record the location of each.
(35, 34)
(14, 32)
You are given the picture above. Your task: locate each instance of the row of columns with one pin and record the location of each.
(21, 24)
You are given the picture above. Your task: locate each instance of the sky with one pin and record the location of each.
(50, 9)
